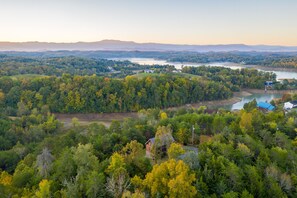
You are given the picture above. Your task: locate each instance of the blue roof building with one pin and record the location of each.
(265, 106)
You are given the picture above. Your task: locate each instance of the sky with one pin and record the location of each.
(253, 22)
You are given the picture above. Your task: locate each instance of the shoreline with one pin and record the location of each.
(215, 103)
(232, 64)
(261, 91)
(271, 69)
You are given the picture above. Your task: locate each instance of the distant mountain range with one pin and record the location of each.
(116, 45)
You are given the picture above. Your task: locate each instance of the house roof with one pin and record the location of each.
(163, 139)
(265, 105)
(152, 140)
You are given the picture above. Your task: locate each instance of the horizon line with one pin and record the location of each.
(75, 42)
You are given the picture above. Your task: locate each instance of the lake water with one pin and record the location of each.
(259, 98)
(152, 61)
(239, 105)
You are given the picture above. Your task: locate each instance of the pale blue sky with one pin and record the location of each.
(164, 21)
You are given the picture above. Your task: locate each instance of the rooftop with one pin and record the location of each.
(265, 105)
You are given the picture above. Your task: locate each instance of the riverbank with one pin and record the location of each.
(261, 91)
(210, 104)
(267, 68)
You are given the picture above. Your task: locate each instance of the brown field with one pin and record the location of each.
(100, 118)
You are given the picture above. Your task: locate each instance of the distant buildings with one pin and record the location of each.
(177, 71)
(268, 85)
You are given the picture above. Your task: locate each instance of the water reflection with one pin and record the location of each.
(239, 105)
(152, 61)
(259, 98)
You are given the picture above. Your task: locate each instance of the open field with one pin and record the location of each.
(100, 118)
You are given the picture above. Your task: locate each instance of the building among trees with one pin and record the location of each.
(158, 145)
(290, 105)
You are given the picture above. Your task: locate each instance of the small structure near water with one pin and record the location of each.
(265, 106)
(290, 105)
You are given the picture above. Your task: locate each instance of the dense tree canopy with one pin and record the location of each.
(70, 94)
(244, 154)
(267, 59)
(233, 78)
(74, 65)
(247, 154)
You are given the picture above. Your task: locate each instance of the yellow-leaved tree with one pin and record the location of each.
(175, 150)
(163, 115)
(246, 122)
(5, 178)
(44, 189)
(169, 179)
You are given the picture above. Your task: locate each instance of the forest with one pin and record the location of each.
(266, 59)
(196, 152)
(233, 79)
(69, 94)
(240, 154)
(73, 65)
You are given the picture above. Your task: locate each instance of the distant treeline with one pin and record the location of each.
(18, 65)
(233, 79)
(269, 59)
(70, 94)
(286, 60)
